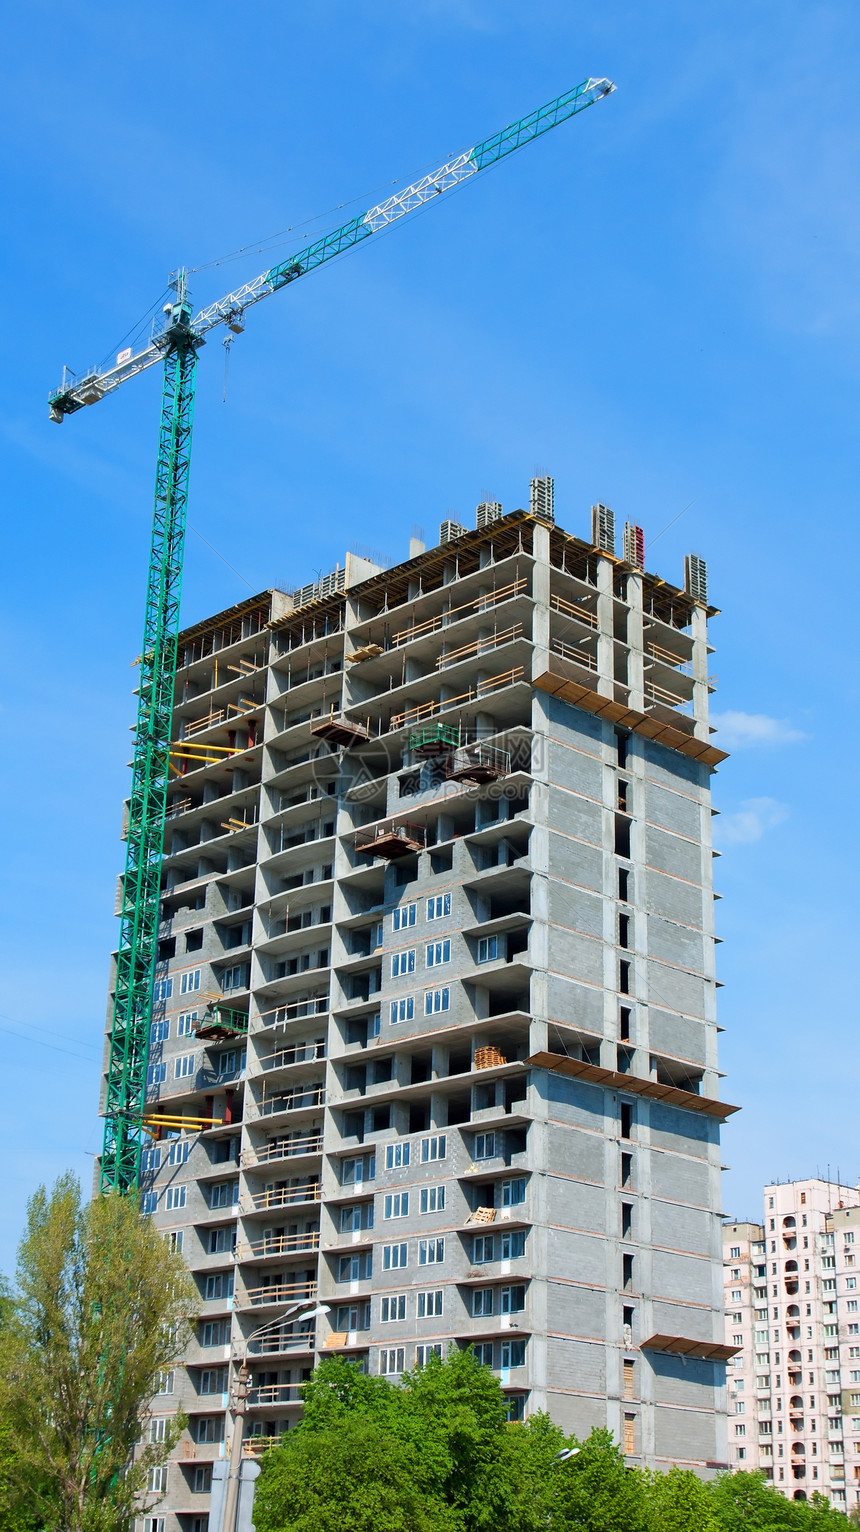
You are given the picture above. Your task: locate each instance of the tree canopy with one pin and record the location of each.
(436, 1454)
(100, 1308)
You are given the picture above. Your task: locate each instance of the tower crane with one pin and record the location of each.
(175, 341)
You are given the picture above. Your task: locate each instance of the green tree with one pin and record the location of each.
(747, 1500)
(678, 1501)
(101, 1307)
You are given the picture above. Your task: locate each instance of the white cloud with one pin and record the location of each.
(738, 731)
(749, 823)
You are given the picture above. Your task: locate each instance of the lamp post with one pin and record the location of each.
(239, 1403)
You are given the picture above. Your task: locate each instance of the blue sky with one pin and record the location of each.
(657, 303)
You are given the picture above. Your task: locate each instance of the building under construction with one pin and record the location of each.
(434, 1015)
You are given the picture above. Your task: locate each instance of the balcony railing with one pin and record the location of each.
(284, 1244)
(310, 1143)
(285, 1196)
(302, 1053)
(482, 603)
(275, 1393)
(292, 1101)
(275, 1293)
(482, 689)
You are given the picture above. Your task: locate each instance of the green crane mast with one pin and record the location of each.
(175, 343)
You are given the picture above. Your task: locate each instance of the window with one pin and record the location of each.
(424, 1353)
(219, 1285)
(210, 1428)
(513, 1244)
(404, 917)
(352, 1316)
(157, 1482)
(438, 952)
(159, 1032)
(174, 1240)
(736, 1295)
(624, 884)
(224, 1194)
(513, 1299)
(851, 1283)
(431, 1252)
(394, 1257)
(156, 1074)
(402, 1010)
(395, 1205)
(183, 1066)
(202, 1480)
(179, 1151)
(402, 963)
(436, 1000)
(488, 949)
(430, 1304)
(624, 975)
(483, 1249)
(392, 1361)
(153, 1524)
(162, 989)
(394, 1307)
(237, 978)
(166, 1382)
(189, 983)
(356, 1171)
(185, 1023)
(213, 1380)
(434, 1148)
(174, 1197)
(483, 1351)
(626, 1119)
(438, 906)
(215, 1332)
(359, 1215)
(432, 1199)
(354, 1268)
(148, 1203)
(222, 1241)
(151, 1159)
(482, 1302)
(513, 1353)
(396, 1156)
(735, 1253)
(484, 1147)
(513, 1192)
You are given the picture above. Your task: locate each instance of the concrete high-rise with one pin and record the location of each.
(437, 955)
(793, 1316)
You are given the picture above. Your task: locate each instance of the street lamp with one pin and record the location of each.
(565, 1455)
(239, 1403)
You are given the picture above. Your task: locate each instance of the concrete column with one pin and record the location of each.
(635, 639)
(700, 672)
(605, 637)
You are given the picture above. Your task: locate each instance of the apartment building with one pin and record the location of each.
(793, 1313)
(437, 972)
